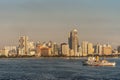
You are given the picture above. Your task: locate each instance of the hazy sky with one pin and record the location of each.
(44, 20)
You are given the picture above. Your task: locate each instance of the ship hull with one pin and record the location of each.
(88, 63)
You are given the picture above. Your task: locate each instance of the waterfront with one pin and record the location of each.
(55, 69)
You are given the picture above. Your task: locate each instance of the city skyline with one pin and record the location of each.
(43, 20)
(72, 48)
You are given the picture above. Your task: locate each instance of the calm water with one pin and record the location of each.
(55, 69)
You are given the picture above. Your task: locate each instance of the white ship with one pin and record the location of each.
(92, 61)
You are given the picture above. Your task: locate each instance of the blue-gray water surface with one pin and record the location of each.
(55, 69)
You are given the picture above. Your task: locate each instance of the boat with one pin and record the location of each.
(94, 61)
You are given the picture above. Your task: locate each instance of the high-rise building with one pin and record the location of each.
(55, 49)
(23, 45)
(73, 41)
(38, 47)
(84, 48)
(98, 49)
(65, 49)
(90, 49)
(31, 48)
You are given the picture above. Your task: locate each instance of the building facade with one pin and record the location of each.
(84, 48)
(98, 49)
(90, 49)
(73, 41)
(107, 49)
(65, 49)
(23, 46)
(10, 51)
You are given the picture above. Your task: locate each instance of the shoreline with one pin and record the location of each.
(57, 57)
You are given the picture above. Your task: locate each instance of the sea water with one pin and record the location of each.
(55, 69)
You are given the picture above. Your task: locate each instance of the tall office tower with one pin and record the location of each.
(65, 49)
(84, 48)
(23, 45)
(73, 41)
(98, 49)
(90, 49)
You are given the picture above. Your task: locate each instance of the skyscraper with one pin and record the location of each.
(73, 41)
(98, 49)
(84, 48)
(90, 49)
(23, 45)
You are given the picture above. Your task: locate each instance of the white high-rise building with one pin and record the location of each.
(84, 48)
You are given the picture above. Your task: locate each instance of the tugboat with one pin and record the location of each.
(94, 61)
